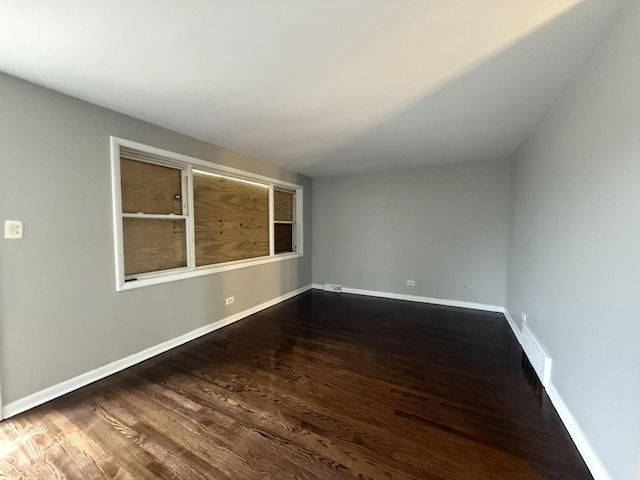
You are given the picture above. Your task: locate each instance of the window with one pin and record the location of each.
(284, 220)
(176, 217)
(153, 224)
(231, 218)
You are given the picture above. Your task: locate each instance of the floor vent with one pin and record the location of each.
(330, 287)
(537, 355)
(532, 378)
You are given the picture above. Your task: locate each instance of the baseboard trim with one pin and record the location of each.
(50, 393)
(580, 440)
(416, 298)
(587, 452)
(512, 324)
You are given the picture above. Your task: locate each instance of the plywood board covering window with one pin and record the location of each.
(283, 205)
(177, 217)
(231, 219)
(151, 245)
(283, 237)
(153, 238)
(149, 188)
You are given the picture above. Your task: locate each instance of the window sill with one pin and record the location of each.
(166, 277)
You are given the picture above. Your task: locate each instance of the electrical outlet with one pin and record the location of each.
(411, 282)
(13, 229)
(229, 301)
(523, 316)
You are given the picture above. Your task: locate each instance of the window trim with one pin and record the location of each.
(293, 223)
(177, 160)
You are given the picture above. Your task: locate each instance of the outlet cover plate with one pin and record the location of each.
(13, 229)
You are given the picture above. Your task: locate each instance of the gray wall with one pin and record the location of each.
(574, 254)
(60, 315)
(444, 226)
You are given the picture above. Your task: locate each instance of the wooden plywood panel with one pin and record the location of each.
(231, 219)
(283, 206)
(151, 245)
(283, 237)
(149, 188)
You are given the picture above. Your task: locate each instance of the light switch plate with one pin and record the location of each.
(13, 229)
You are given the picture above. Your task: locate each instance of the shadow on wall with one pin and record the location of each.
(456, 112)
(290, 274)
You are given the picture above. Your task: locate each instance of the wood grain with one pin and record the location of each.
(149, 188)
(283, 236)
(283, 205)
(151, 245)
(231, 219)
(323, 386)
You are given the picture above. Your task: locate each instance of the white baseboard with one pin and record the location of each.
(587, 452)
(538, 356)
(75, 383)
(577, 435)
(514, 327)
(533, 349)
(416, 298)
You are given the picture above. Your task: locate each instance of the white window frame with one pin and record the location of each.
(294, 230)
(187, 165)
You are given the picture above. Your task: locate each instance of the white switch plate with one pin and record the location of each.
(13, 229)
(411, 282)
(229, 301)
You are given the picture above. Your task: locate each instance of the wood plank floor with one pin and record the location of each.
(323, 386)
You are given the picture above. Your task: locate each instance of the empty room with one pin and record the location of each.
(320, 239)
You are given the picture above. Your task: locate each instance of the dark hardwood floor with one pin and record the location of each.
(323, 386)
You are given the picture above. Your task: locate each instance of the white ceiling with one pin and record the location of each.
(318, 86)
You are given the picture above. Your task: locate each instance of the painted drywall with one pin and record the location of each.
(574, 249)
(60, 315)
(444, 226)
